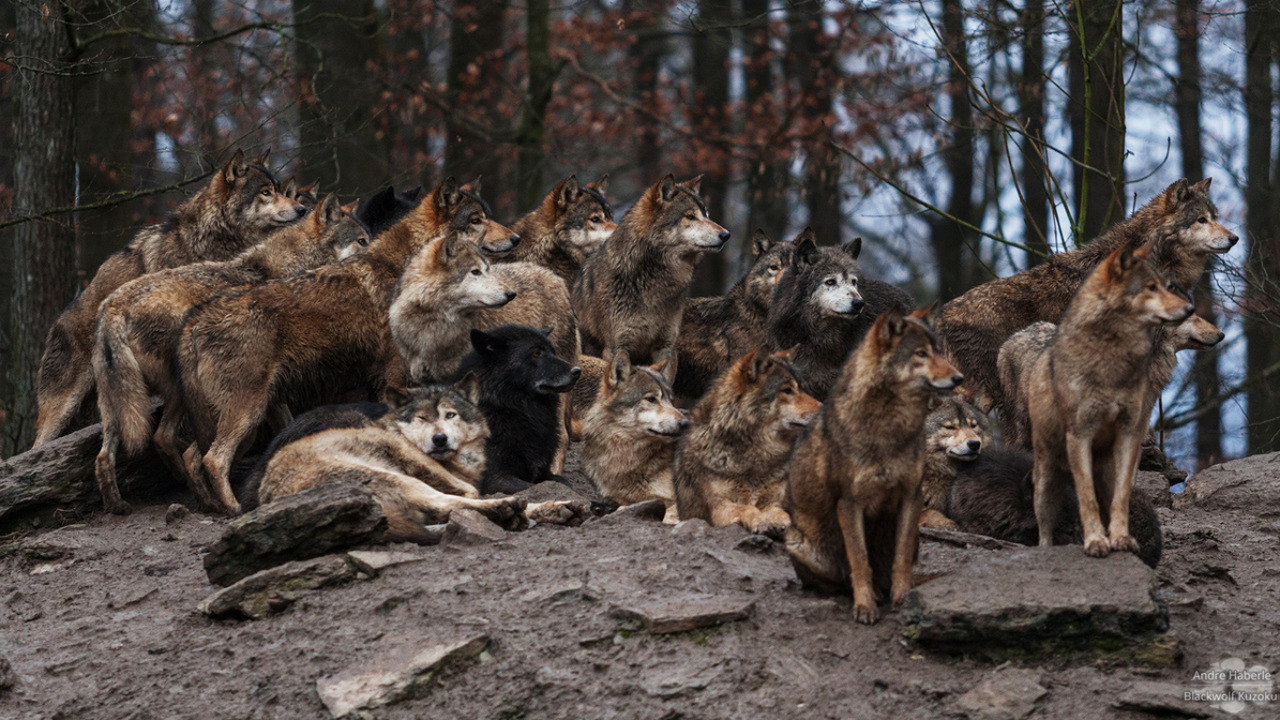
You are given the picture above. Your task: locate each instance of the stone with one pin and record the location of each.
(676, 679)
(1250, 486)
(1006, 694)
(683, 613)
(393, 676)
(7, 677)
(272, 590)
(1159, 698)
(373, 561)
(296, 527)
(176, 513)
(695, 528)
(761, 544)
(468, 527)
(1043, 601)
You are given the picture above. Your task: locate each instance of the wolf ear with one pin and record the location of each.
(474, 185)
(1120, 261)
(350, 208)
(411, 195)
(694, 185)
(789, 354)
(568, 192)
(548, 330)
(759, 365)
(329, 211)
(601, 185)
(309, 189)
(667, 188)
(396, 398)
(1203, 185)
(262, 159)
(852, 248)
(1145, 251)
(760, 243)
(658, 368)
(290, 189)
(236, 167)
(469, 387)
(890, 325)
(927, 314)
(448, 194)
(1174, 194)
(483, 342)
(806, 247)
(619, 369)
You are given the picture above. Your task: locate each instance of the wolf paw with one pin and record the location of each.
(1124, 543)
(559, 512)
(773, 530)
(507, 512)
(1096, 547)
(117, 507)
(865, 613)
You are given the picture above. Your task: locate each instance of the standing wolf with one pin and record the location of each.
(1182, 222)
(1088, 397)
(572, 222)
(630, 293)
(309, 340)
(854, 493)
(139, 324)
(239, 207)
(732, 465)
(823, 307)
(716, 331)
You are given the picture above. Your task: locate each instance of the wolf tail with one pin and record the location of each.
(123, 399)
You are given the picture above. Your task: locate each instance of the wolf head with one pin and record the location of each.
(1128, 282)
(455, 210)
(908, 348)
(519, 360)
(827, 278)
(638, 401)
(673, 216)
(386, 207)
(442, 420)
(251, 198)
(772, 259)
(459, 276)
(957, 430)
(763, 390)
(1193, 219)
(583, 219)
(326, 235)
(1195, 333)
(304, 195)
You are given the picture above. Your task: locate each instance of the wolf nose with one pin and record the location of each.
(514, 240)
(575, 371)
(957, 379)
(857, 306)
(975, 445)
(300, 210)
(439, 440)
(1231, 241)
(510, 294)
(724, 236)
(683, 425)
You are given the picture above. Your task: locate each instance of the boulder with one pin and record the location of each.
(272, 590)
(1250, 485)
(468, 527)
(393, 676)
(297, 527)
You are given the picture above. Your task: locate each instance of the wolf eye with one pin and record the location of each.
(597, 219)
(1152, 287)
(922, 353)
(363, 241)
(450, 415)
(1203, 221)
(773, 268)
(787, 391)
(831, 282)
(265, 192)
(651, 399)
(536, 354)
(973, 423)
(690, 216)
(475, 271)
(475, 219)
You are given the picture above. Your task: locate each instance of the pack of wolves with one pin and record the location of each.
(419, 347)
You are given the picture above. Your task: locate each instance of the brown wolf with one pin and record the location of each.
(140, 322)
(239, 207)
(716, 331)
(956, 433)
(1088, 392)
(317, 338)
(572, 222)
(1182, 221)
(853, 494)
(629, 436)
(732, 465)
(630, 293)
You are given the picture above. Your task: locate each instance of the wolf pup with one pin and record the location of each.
(572, 222)
(716, 331)
(1087, 393)
(521, 380)
(239, 207)
(140, 322)
(732, 465)
(306, 341)
(422, 460)
(629, 436)
(1184, 225)
(630, 293)
(823, 307)
(853, 495)
(956, 433)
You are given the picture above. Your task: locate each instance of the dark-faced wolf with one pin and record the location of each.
(572, 222)
(240, 206)
(631, 292)
(732, 465)
(854, 494)
(956, 433)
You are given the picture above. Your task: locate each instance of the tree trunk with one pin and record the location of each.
(341, 146)
(43, 270)
(815, 74)
(475, 39)
(767, 178)
(542, 80)
(1263, 265)
(711, 47)
(646, 57)
(8, 24)
(1096, 107)
(1035, 192)
(949, 238)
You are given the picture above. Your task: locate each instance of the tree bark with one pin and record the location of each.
(542, 80)
(767, 178)
(815, 74)
(1096, 107)
(948, 237)
(646, 57)
(43, 270)
(475, 39)
(710, 116)
(1031, 97)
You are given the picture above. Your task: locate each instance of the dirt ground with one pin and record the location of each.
(111, 629)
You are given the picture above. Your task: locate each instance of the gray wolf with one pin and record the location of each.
(956, 433)
(572, 222)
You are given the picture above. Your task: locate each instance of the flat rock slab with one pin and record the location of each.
(1160, 698)
(468, 527)
(681, 614)
(272, 590)
(394, 675)
(1006, 694)
(1040, 601)
(373, 561)
(297, 527)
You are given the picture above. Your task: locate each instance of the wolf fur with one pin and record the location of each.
(629, 436)
(1183, 223)
(572, 222)
(823, 307)
(631, 293)
(956, 433)
(521, 380)
(140, 322)
(422, 460)
(310, 340)
(732, 465)
(1087, 396)
(239, 207)
(386, 207)
(854, 496)
(716, 331)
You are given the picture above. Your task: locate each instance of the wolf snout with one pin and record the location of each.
(439, 440)
(576, 372)
(975, 445)
(509, 295)
(299, 210)
(855, 307)
(514, 240)
(682, 425)
(724, 236)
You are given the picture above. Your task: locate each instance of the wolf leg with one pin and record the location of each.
(1047, 493)
(1125, 461)
(56, 413)
(904, 551)
(105, 470)
(1080, 458)
(853, 526)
